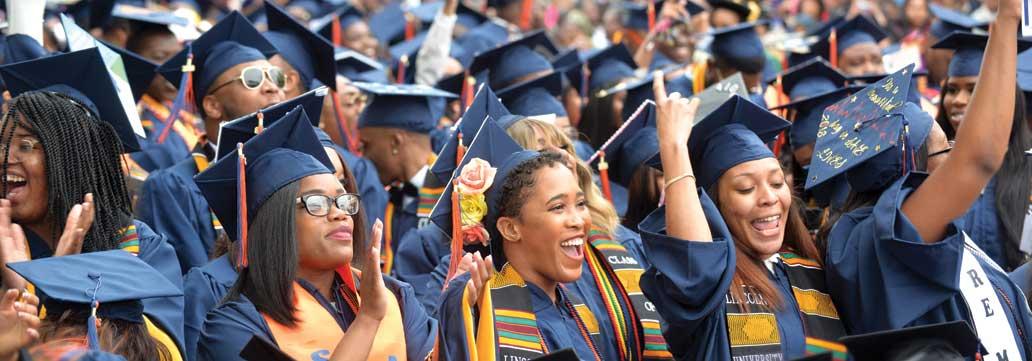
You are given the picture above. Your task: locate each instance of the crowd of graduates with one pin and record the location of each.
(515, 180)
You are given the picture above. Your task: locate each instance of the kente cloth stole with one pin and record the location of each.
(507, 328)
(753, 330)
(316, 333)
(634, 318)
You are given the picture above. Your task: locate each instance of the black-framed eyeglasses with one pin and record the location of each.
(318, 205)
(253, 77)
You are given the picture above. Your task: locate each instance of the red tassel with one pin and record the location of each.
(467, 93)
(341, 128)
(456, 241)
(402, 64)
(779, 143)
(242, 210)
(261, 122)
(410, 26)
(335, 31)
(833, 52)
(525, 14)
(603, 172)
(652, 14)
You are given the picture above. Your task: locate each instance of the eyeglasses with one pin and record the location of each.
(21, 147)
(253, 77)
(318, 205)
(354, 99)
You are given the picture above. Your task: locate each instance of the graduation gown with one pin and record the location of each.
(982, 224)
(230, 326)
(204, 288)
(419, 252)
(153, 155)
(171, 203)
(883, 276)
(166, 312)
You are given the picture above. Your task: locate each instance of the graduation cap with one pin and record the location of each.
(715, 95)
(949, 20)
(416, 108)
(882, 130)
(145, 16)
(640, 89)
(493, 145)
(535, 97)
(740, 47)
(1025, 72)
(487, 35)
(235, 188)
(943, 341)
(465, 16)
(844, 35)
(138, 70)
(390, 23)
(344, 15)
(636, 16)
(508, 62)
(736, 132)
(968, 49)
(485, 104)
(811, 78)
(610, 65)
(809, 110)
(233, 40)
(246, 127)
(630, 146)
(309, 54)
(108, 285)
(81, 75)
(405, 53)
(571, 65)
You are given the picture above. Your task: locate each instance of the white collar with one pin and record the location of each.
(769, 262)
(420, 176)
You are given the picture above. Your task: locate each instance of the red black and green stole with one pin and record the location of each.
(507, 328)
(753, 332)
(634, 318)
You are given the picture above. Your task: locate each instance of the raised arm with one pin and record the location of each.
(674, 114)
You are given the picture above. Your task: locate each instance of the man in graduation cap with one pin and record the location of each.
(852, 47)
(345, 27)
(738, 48)
(669, 41)
(230, 76)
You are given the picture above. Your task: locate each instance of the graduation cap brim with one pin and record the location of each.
(571, 65)
(876, 345)
(122, 277)
(963, 40)
(416, 90)
(323, 26)
(83, 71)
(242, 129)
(321, 51)
(552, 82)
(954, 18)
(537, 41)
(139, 70)
(147, 16)
(388, 24)
(355, 60)
(233, 27)
(802, 102)
(618, 52)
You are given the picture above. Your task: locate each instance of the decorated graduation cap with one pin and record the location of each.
(811, 78)
(309, 54)
(809, 110)
(493, 146)
(81, 75)
(508, 62)
(637, 16)
(968, 50)
(138, 70)
(104, 285)
(146, 16)
(736, 132)
(332, 26)
(844, 35)
(740, 47)
(943, 341)
(238, 184)
(233, 40)
(244, 128)
(870, 136)
(949, 20)
(535, 97)
(416, 108)
(485, 104)
(610, 65)
(913, 96)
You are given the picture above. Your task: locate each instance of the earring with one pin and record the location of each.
(394, 151)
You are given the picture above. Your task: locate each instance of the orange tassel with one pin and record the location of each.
(833, 45)
(186, 86)
(456, 242)
(410, 26)
(242, 210)
(525, 14)
(402, 64)
(651, 10)
(467, 95)
(603, 172)
(338, 114)
(261, 122)
(335, 31)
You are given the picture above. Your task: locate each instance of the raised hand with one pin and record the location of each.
(18, 322)
(13, 247)
(372, 290)
(78, 222)
(480, 271)
(674, 114)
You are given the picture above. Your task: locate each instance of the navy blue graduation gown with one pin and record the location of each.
(419, 252)
(404, 219)
(153, 155)
(171, 203)
(689, 282)
(982, 224)
(557, 326)
(204, 288)
(231, 325)
(883, 276)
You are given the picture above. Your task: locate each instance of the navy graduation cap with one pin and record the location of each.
(535, 97)
(811, 78)
(571, 65)
(808, 114)
(111, 283)
(286, 151)
(416, 108)
(736, 132)
(609, 66)
(345, 15)
(309, 54)
(485, 36)
(485, 105)
(147, 16)
(744, 8)
(389, 23)
(357, 67)
(246, 127)
(968, 49)
(740, 47)
(634, 143)
(870, 136)
(858, 30)
(138, 70)
(409, 49)
(508, 62)
(81, 75)
(636, 16)
(949, 20)
(233, 40)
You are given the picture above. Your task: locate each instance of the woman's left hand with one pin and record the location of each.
(374, 293)
(79, 220)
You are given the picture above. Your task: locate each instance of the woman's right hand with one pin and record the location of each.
(481, 271)
(78, 222)
(674, 114)
(13, 247)
(18, 322)
(372, 289)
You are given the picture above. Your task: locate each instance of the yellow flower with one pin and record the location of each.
(474, 207)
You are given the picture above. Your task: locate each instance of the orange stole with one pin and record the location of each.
(316, 334)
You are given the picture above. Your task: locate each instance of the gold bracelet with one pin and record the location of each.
(678, 178)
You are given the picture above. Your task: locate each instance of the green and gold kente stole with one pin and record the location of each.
(633, 317)
(427, 199)
(753, 332)
(129, 240)
(507, 329)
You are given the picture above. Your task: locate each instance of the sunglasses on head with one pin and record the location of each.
(253, 77)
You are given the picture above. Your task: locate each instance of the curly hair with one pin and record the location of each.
(517, 186)
(83, 155)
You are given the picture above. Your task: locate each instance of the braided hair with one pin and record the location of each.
(83, 155)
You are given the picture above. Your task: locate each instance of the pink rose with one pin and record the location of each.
(476, 177)
(475, 234)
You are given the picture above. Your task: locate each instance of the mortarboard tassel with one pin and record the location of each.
(699, 76)
(183, 96)
(651, 11)
(402, 64)
(410, 26)
(92, 323)
(261, 122)
(584, 83)
(603, 173)
(335, 32)
(467, 93)
(525, 14)
(242, 206)
(456, 243)
(338, 114)
(833, 45)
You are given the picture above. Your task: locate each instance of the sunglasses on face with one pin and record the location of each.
(253, 77)
(318, 205)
